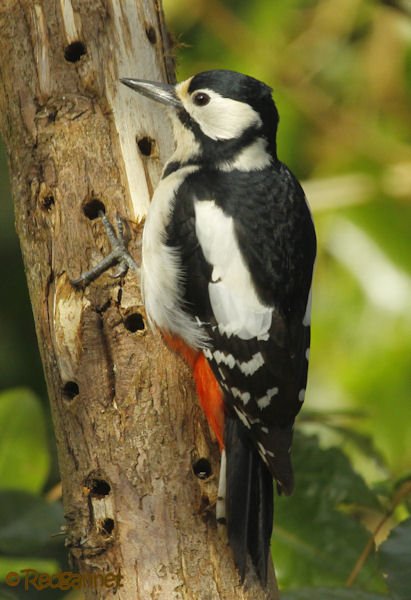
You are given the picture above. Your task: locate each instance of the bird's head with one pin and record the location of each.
(223, 111)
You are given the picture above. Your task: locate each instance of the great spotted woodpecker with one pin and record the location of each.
(228, 253)
(227, 262)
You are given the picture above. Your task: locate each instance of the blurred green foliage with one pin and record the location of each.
(341, 74)
(30, 519)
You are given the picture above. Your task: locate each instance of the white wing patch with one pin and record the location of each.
(161, 270)
(235, 304)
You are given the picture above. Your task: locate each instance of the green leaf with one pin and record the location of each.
(24, 453)
(27, 523)
(395, 560)
(331, 594)
(314, 541)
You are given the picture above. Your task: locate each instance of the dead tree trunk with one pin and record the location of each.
(128, 427)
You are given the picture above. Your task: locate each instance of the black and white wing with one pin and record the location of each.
(247, 249)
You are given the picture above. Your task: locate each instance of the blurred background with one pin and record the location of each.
(341, 75)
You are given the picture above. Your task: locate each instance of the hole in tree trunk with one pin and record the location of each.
(48, 202)
(74, 51)
(107, 527)
(202, 468)
(70, 390)
(145, 145)
(134, 322)
(99, 488)
(92, 208)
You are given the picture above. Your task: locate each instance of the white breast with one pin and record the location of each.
(235, 304)
(161, 267)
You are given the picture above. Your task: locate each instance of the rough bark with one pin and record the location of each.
(127, 422)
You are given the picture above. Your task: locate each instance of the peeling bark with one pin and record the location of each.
(128, 425)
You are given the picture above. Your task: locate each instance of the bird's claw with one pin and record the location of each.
(119, 254)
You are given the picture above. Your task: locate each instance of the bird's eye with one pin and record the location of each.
(201, 99)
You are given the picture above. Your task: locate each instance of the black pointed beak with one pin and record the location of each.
(160, 92)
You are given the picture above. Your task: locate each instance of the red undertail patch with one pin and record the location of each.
(208, 390)
(211, 397)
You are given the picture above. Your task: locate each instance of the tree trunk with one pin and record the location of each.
(128, 426)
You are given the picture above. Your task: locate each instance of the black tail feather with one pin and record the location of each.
(249, 500)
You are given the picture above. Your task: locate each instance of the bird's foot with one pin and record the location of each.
(119, 254)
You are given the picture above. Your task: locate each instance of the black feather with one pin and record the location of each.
(249, 500)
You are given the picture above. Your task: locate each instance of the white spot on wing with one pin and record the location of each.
(208, 354)
(265, 401)
(233, 299)
(262, 452)
(253, 421)
(221, 374)
(249, 367)
(243, 396)
(301, 395)
(261, 449)
(226, 359)
(307, 354)
(242, 417)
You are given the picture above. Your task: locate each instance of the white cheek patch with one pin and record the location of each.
(222, 118)
(235, 304)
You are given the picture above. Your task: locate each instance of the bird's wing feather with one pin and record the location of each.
(247, 257)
